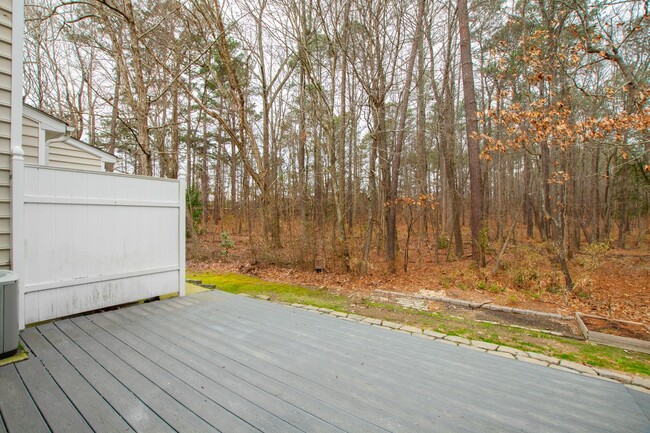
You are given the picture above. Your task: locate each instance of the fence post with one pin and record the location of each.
(17, 170)
(181, 234)
(18, 226)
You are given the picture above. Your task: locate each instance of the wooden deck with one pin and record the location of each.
(218, 362)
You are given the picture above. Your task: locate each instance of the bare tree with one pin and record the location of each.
(471, 126)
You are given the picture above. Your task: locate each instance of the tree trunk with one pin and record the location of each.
(115, 112)
(446, 143)
(421, 148)
(528, 199)
(172, 169)
(391, 233)
(471, 126)
(142, 104)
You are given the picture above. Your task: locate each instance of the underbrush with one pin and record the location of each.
(607, 281)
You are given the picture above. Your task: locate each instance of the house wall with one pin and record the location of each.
(60, 154)
(64, 155)
(5, 124)
(30, 140)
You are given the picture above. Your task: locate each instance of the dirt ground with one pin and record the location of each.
(609, 282)
(567, 328)
(620, 328)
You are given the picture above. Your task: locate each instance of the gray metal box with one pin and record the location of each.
(8, 314)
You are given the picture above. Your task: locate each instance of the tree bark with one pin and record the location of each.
(399, 143)
(471, 126)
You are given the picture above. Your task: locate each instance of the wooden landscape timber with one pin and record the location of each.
(635, 344)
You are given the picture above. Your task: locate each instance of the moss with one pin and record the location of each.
(236, 283)
(21, 355)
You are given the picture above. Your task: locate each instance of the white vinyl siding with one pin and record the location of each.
(5, 47)
(30, 140)
(63, 155)
(5, 119)
(46, 141)
(5, 69)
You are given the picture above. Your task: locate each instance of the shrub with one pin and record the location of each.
(226, 244)
(495, 288)
(593, 254)
(443, 241)
(522, 277)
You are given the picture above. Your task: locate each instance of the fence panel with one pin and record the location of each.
(94, 240)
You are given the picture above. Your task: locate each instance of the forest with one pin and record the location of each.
(374, 137)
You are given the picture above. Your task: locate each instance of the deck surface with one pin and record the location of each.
(219, 362)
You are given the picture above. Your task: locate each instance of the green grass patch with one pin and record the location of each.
(607, 357)
(237, 283)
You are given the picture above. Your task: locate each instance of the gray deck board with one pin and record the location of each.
(203, 362)
(330, 406)
(463, 363)
(341, 344)
(478, 392)
(218, 362)
(213, 414)
(60, 414)
(431, 357)
(224, 398)
(151, 392)
(434, 357)
(643, 401)
(588, 405)
(336, 395)
(16, 404)
(102, 400)
(347, 397)
(95, 410)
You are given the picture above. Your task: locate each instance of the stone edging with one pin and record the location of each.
(634, 382)
(200, 284)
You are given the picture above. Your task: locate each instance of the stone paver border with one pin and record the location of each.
(631, 381)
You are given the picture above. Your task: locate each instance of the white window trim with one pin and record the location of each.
(42, 147)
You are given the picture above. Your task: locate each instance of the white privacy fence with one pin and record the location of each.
(94, 240)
